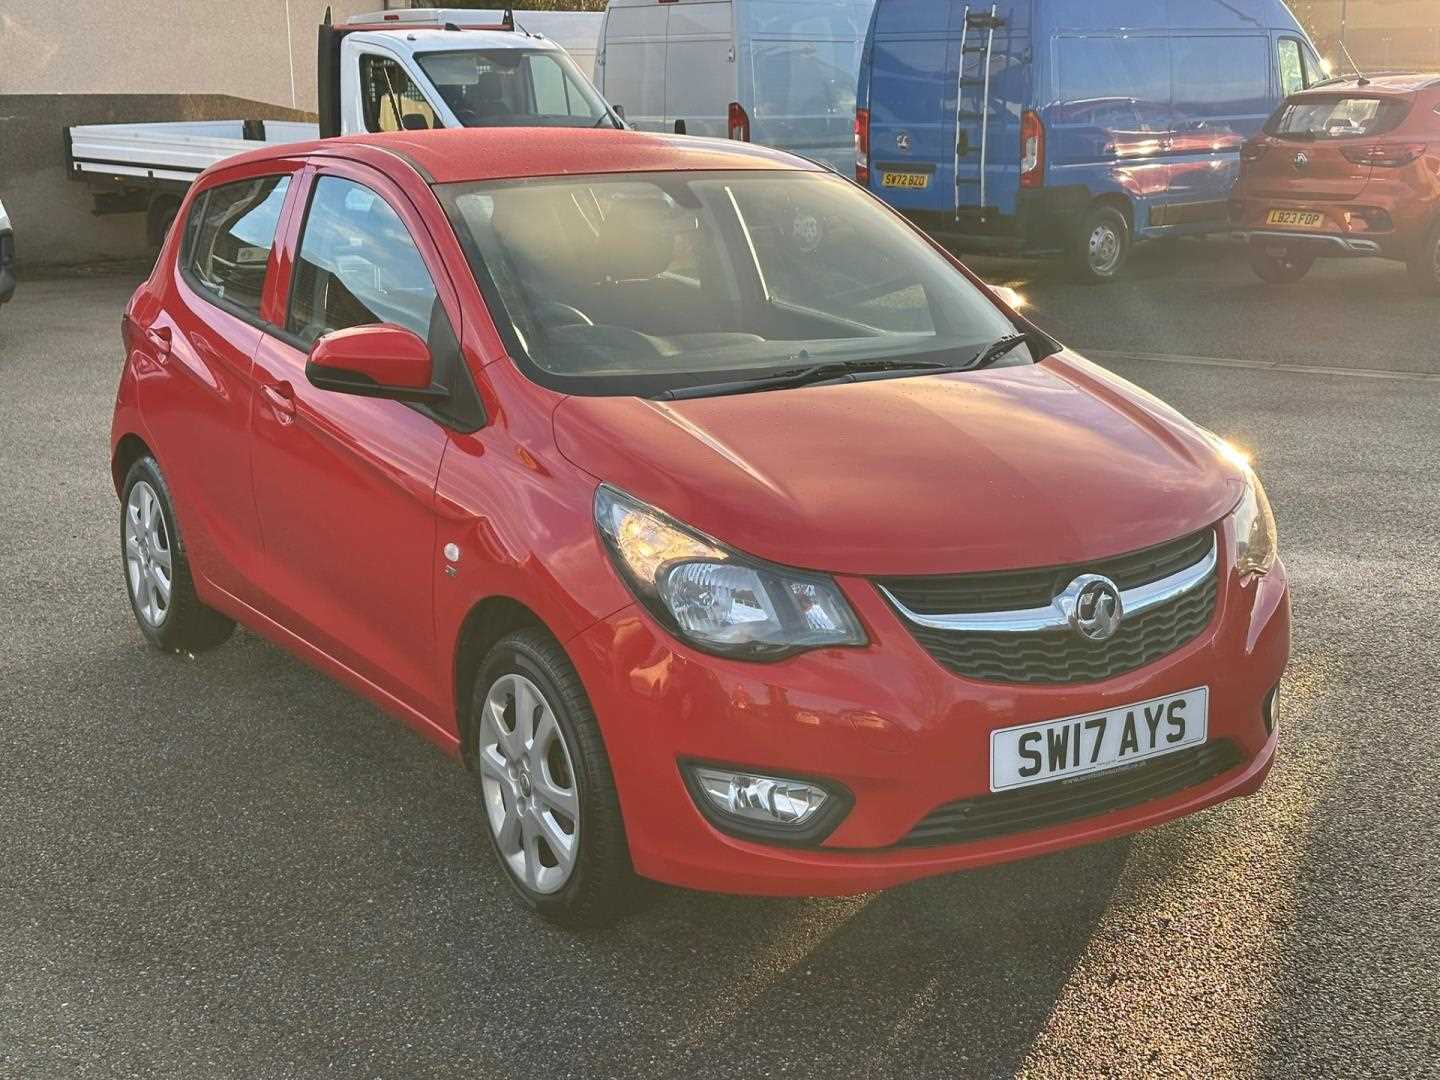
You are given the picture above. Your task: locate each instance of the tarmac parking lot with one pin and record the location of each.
(231, 867)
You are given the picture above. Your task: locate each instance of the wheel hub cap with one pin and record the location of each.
(149, 563)
(527, 778)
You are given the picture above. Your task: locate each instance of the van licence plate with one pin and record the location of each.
(1094, 742)
(1303, 219)
(907, 180)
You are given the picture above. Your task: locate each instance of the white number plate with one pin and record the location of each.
(1083, 745)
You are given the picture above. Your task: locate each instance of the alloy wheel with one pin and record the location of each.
(149, 560)
(527, 776)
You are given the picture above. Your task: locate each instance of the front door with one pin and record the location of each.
(345, 485)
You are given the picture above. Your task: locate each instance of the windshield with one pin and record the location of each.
(1337, 117)
(638, 284)
(515, 87)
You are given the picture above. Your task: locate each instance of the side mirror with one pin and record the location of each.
(679, 127)
(382, 360)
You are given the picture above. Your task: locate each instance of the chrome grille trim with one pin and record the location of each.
(1057, 614)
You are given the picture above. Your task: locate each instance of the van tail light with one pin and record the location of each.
(1254, 150)
(739, 122)
(1383, 155)
(862, 146)
(1032, 150)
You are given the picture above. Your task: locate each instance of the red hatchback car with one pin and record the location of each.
(1350, 168)
(728, 529)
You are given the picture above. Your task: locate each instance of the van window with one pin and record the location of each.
(232, 232)
(389, 96)
(804, 78)
(357, 265)
(1095, 68)
(1293, 74)
(1221, 76)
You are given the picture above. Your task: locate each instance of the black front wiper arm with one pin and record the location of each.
(817, 374)
(992, 352)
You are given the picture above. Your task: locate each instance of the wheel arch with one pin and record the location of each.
(489, 620)
(130, 449)
(1118, 200)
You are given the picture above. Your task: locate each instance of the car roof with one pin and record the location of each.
(507, 153)
(1404, 83)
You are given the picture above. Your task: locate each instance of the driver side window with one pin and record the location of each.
(390, 98)
(1294, 73)
(357, 265)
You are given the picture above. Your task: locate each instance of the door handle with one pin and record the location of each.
(159, 339)
(281, 397)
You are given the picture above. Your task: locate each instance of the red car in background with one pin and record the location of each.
(1347, 169)
(726, 527)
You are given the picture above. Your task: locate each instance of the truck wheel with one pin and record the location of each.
(1279, 269)
(157, 571)
(1101, 246)
(548, 794)
(1425, 263)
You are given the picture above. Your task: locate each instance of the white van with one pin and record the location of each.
(778, 72)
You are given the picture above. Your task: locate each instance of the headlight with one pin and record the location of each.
(1255, 541)
(716, 599)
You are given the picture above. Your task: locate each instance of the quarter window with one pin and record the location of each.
(1293, 75)
(230, 234)
(390, 98)
(357, 265)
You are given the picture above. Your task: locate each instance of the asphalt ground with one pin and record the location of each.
(230, 867)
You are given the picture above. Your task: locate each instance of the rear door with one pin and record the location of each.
(992, 87)
(633, 75)
(700, 80)
(202, 331)
(912, 104)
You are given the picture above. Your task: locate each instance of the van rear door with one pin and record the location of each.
(991, 102)
(911, 101)
(633, 73)
(700, 66)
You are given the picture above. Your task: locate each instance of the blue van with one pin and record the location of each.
(1070, 127)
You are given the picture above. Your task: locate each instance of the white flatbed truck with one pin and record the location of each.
(390, 70)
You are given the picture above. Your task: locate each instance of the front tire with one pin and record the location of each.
(1279, 269)
(1101, 246)
(157, 570)
(546, 788)
(1425, 263)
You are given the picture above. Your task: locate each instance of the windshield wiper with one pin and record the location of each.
(814, 375)
(988, 355)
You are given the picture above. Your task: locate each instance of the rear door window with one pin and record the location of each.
(357, 265)
(229, 236)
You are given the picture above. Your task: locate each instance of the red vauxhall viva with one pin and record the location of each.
(731, 532)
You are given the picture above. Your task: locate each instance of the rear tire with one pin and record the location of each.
(1425, 263)
(547, 793)
(1278, 270)
(157, 571)
(1101, 246)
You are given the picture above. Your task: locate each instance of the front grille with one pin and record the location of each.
(1015, 590)
(1059, 656)
(1046, 805)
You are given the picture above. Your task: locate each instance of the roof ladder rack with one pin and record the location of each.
(969, 79)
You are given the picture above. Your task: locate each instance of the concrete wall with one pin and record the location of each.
(127, 61)
(261, 50)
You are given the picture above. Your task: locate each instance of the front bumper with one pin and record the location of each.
(899, 732)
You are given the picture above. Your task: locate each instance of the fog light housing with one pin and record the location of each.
(765, 806)
(1271, 709)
